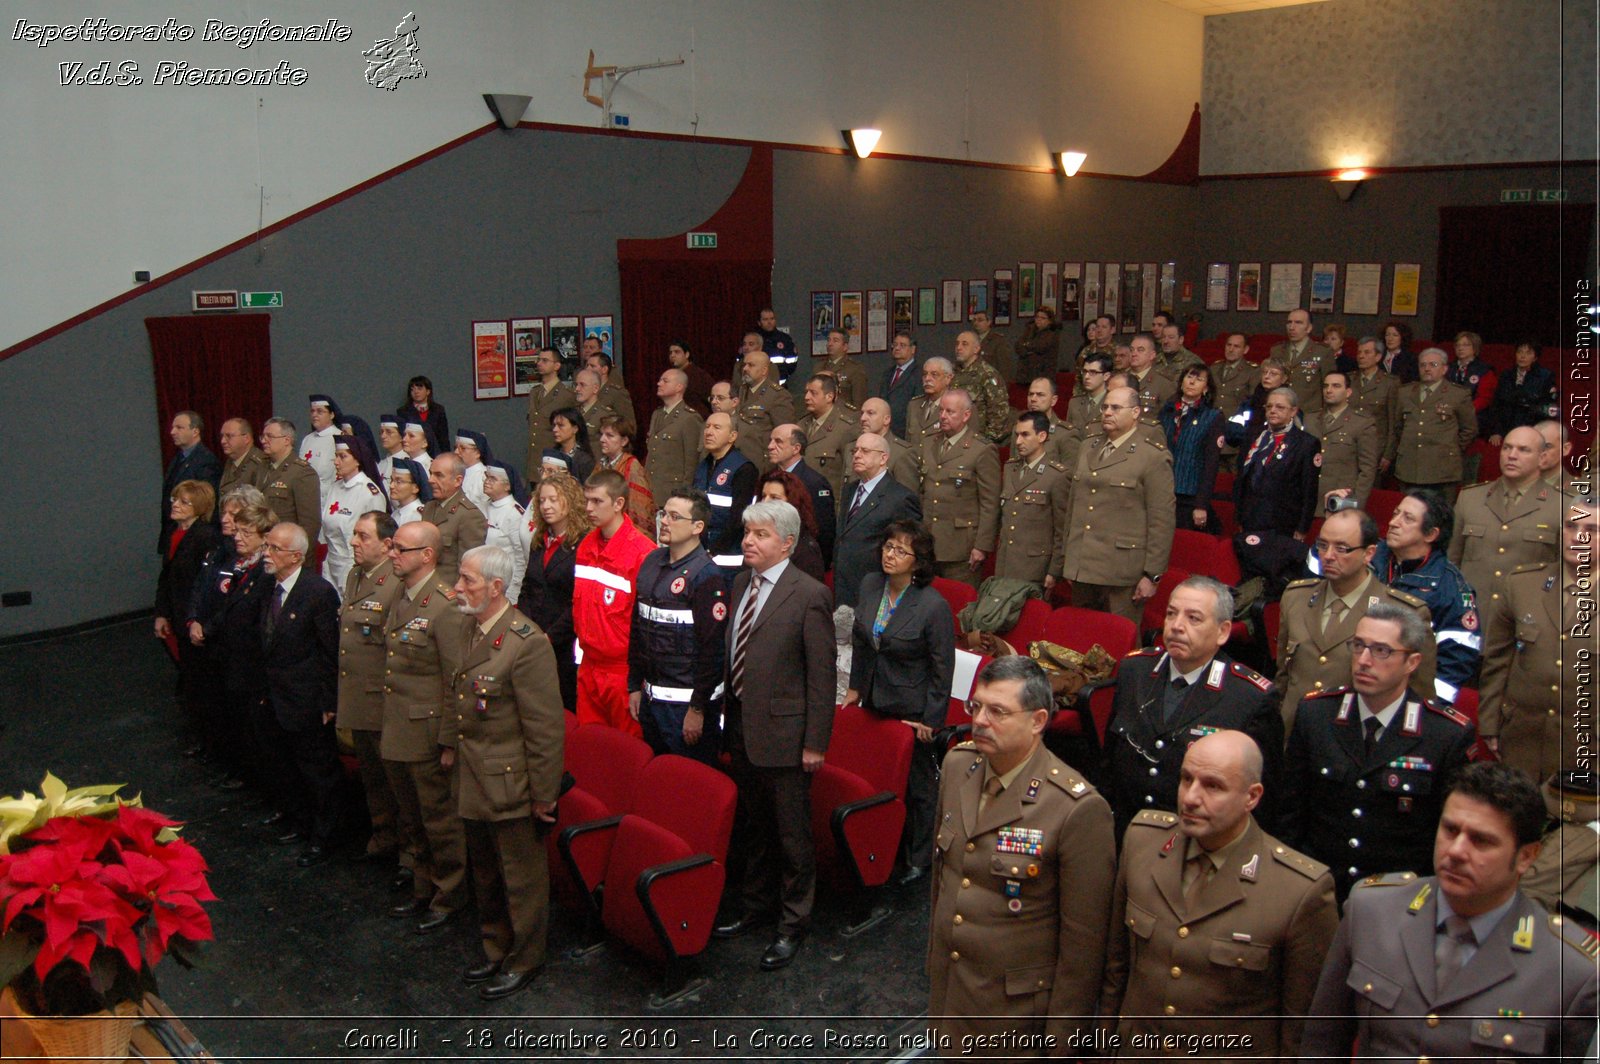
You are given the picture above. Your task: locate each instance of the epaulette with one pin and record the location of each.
(1145, 652)
(1577, 936)
(968, 745)
(521, 628)
(1251, 676)
(1057, 466)
(1068, 781)
(372, 487)
(1309, 581)
(1330, 693)
(1445, 709)
(446, 590)
(1409, 599)
(1387, 879)
(1155, 818)
(519, 508)
(1299, 862)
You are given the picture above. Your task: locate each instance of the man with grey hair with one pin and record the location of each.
(1367, 764)
(960, 490)
(1022, 876)
(461, 525)
(1167, 698)
(1434, 422)
(586, 384)
(922, 413)
(776, 733)
(507, 732)
(985, 387)
(1277, 495)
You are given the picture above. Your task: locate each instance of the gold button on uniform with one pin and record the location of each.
(958, 918)
(1176, 971)
(971, 846)
(955, 955)
(1433, 1021)
(1183, 932)
(965, 883)
(1171, 1010)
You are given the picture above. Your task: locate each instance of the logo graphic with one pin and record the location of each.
(393, 61)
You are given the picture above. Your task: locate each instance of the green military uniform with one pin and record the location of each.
(591, 420)
(461, 527)
(996, 350)
(1155, 390)
(905, 464)
(1306, 367)
(294, 493)
(960, 499)
(762, 408)
(1351, 447)
(1314, 644)
(1430, 434)
(508, 734)
(1066, 436)
(1033, 519)
(1232, 383)
(1377, 395)
(424, 639)
(253, 469)
(1021, 895)
(542, 402)
(1121, 523)
(1495, 535)
(1237, 955)
(368, 596)
(991, 404)
(850, 375)
(829, 443)
(675, 439)
(615, 398)
(922, 421)
(1176, 363)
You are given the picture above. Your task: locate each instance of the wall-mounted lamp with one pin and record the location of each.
(1345, 183)
(861, 141)
(1071, 162)
(506, 108)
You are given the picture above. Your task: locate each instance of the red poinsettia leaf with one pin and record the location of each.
(18, 903)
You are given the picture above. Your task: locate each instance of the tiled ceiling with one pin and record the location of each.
(1228, 7)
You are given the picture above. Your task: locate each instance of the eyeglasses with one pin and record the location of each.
(1379, 651)
(868, 450)
(1113, 407)
(273, 548)
(405, 550)
(976, 709)
(895, 550)
(668, 515)
(1341, 549)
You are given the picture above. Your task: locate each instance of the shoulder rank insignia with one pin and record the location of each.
(1409, 599)
(1449, 712)
(521, 628)
(1249, 675)
(1579, 938)
(1155, 818)
(1420, 900)
(968, 745)
(1309, 581)
(1522, 937)
(1388, 879)
(1146, 652)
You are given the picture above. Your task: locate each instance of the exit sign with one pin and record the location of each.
(214, 300)
(261, 299)
(1516, 195)
(1552, 195)
(702, 240)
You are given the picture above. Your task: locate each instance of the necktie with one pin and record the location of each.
(1374, 728)
(1426, 393)
(1195, 874)
(474, 638)
(896, 378)
(855, 503)
(1173, 696)
(741, 639)
(1449, 953)
(991, 789)
(1105, 452)
(1331, 615)
(274, 608)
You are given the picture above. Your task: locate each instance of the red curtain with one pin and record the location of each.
(707, 305)
(217, 366)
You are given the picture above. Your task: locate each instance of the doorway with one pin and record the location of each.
(1507, 272)
(217, 366)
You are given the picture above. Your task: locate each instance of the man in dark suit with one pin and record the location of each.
(1276, 495)
(777, 733)
(871, 501)
(901, 382)
(786, 451)
(194, 461)
(300, 646)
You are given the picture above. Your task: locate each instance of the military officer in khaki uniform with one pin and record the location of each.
(586, 386)
(830, 430)
(290, 486)
(991, 403)
(461, 524)
(847, 371)
(675, 432)
(1123, 513)
(1041, 399)
(1234, 379)
(424, 638)
(1434, 422)
(904, 463)
(993, 347)
(549, 394)
(1534, 707)
(1318, 616)
(1350, 442)
(1022, 878)
(505, 745)
(1373, 391)
(1083, 411)
(1306, 360)
(1463, 964)
(612, 395)
(242, 461)
(764, 404)
(1566, 874)
(1148, 379)
(1217, 927)
(369, 593)
(960, 490)
(1511, 522)
(922, 413)
(1033, 507)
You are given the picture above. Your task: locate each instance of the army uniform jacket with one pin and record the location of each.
(1528, 992)
(1231, 384)
(1155, 391)
(1364, 815)
(1021, 896)
(1531, 696)
(675, 438)
(762, 408)
(1311, 661)
(850, 374)
(922, 421)
(616, 400)
(1351, 447)
(996, 350)
(1122, 513)
(1564, 873)
(1067, 435)
(253, 469)
(905, 464)
(1145, 749)
(1492, 537)
(508, 729)
(294, 494)
(1033, 520)
(1426, 442)
(991, 403)
(368, 600)
(461, 525)
(1377, 397)
(1305, 372)
(425, 638)
(960, 494)
(1247, 954)
(542, 402)
(828, 444)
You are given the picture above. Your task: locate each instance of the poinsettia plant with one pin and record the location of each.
(92, 900)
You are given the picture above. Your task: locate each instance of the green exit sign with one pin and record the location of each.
(702, 240)
(1516, 195)
(1552, 195)
(261, 299)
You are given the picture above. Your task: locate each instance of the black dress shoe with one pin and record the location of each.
(414, 907)
(481, 973)
(290, 836)
(915, 874)
(271, 819)
(403, 878)
(781, 953)
(505, 984)
(435, 919)
(738, 926)
(314, 854)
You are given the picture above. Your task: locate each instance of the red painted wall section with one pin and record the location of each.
(743, 224)
(1183, 165)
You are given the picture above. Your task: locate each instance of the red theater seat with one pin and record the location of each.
(1081, 629)
(606, 766)
(858, 806)
(1029, 626)
(1205, 554)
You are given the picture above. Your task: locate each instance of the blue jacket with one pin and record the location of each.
(1452, 605)
(1194, 451)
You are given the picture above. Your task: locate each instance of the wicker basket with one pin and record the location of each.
(102, 1036)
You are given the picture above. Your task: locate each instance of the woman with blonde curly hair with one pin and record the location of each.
(559, 525)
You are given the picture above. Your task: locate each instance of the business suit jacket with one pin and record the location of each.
(175, 585)
(907, 674)
(198, 464)
(1246, 954)
(1128, 532)
(368, 602)
(546, 600)
(437, 422)
(1402, 365)
(1516, 405)
(1426, 443)
(900, 395)
(1529, 988)
(793, 634)
(301, 653)
(855, 552)
(1351, 447)
(1277, 489)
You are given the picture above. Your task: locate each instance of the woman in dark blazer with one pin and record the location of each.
(546, 596)
(1194, 430)
(193, 536)
(1526, 395)
(420, 408)
(903, 652)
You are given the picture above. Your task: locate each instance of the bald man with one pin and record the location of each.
(904, 467)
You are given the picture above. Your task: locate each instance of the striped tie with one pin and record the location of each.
(741, 639)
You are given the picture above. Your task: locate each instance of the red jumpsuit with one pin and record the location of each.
(603, 594)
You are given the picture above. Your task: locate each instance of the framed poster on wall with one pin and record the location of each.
(1403, 292)
(928, 306)
(1027, 289)
(1148, 285)
(599, 327)
(1283, 287)
(1091, 291)
(1248, 294)
(1071, 291)
(1132, 297)
(1169, 283)
(1001, 314)
(1361, 281)
(850, 321)
(1217, 286)
(951, 302)
(824, 316)
(527, 336)
(878, 319)
(902, 311)
(1111, 294)
(977, 298)
(564, 337)
(1323, 276)
(1050, 287)
(491, 367)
